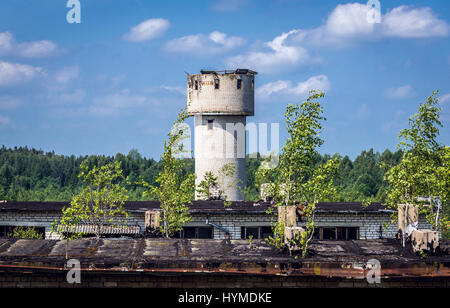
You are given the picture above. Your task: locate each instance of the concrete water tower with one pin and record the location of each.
(220, 101)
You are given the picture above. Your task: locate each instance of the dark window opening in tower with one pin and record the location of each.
(239, 84)
(196, 85)
(210, 124)
(253, 84)
(216, 84)
(235, 143)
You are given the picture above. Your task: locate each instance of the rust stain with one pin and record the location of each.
(316, 270)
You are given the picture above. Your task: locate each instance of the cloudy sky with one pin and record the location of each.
(117, 80)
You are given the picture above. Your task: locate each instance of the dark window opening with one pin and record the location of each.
(5, 230)
(210, 124)
(380, 231)
(337, 233)
(239, 84)
(235, 144)
(196, 232)
(316, 234)
(252, 232)
(256, 232)
(196, 85)
(352, 233)
(216, 84)
(329, 234)
(266, 232)
(253, 84)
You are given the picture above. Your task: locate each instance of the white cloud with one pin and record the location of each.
(77, 96)
(180, 90)
(287, 88)
(33, 49)
(270, 88)
(4, 121)
(38, 49)
(67, 74)
(402, 92)
(362, 111)
(444, 99)
(15, 73)
(9, 102)
(349, 20)
(147, 30)
(116, 104)
(278, 56)
(229, 5)
(348, 23)
(413, 22)
(201, 44)
(6, 42)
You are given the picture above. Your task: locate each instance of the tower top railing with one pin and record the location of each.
(224, 72)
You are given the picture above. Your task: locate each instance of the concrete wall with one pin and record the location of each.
(226, 100)
(92, 279)
(217, 144)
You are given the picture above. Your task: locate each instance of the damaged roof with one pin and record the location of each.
(211, 206)
(326, 258)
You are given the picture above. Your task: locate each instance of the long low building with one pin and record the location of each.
(212, 220)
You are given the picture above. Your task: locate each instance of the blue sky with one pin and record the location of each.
(117, 80)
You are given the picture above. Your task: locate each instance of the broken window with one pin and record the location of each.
(329, 234)
(316, 234)
(239, 84)
(197, 232)
(266, 232)
(216, 84)
(337, 233)
(7, 230)
(352, 233)
(256, 232)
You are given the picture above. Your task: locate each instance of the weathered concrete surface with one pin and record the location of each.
(326, 259)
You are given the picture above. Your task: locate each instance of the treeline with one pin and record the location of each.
(33, 175)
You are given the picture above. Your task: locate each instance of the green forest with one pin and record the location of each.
(34, 175)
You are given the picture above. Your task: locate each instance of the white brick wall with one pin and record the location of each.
(45, 219)
(369, 224)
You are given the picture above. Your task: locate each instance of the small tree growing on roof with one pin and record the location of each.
(176, 189)
(299, 180)
(100, 203)
(424, 170)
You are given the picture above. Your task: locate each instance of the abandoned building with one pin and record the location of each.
(212, 220)
(233, 251)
